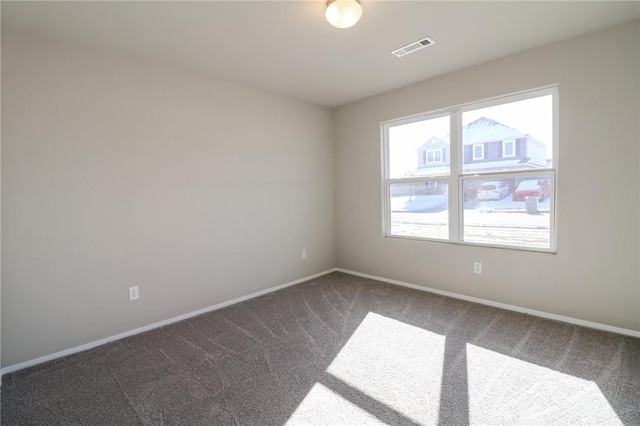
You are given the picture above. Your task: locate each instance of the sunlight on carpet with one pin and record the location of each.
(322, 406)
(391, 366)
(503, 389)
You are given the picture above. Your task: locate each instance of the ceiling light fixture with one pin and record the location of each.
(343, 13)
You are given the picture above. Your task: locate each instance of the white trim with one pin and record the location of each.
(512, 142)
(570, 320)
(91, 345)
(458, 168)
(455, 191)
(434, 151)
(96, 343)
(473, 151)
(555, 96)
(514, 97)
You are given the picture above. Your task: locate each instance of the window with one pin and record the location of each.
(509, 148)
(478, 152)
(503, 201)
(417, 197)
(434, 156)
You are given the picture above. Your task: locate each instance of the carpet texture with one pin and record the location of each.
(341, 350)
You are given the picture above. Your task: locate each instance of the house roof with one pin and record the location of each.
(430, 171)
(482, 130)
(500, 165)
(487, 130)
(434, 141)
(516, 164)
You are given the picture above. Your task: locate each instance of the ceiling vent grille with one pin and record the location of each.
(413, 47)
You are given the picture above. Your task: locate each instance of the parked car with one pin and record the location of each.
(531, 188)
(493, 191)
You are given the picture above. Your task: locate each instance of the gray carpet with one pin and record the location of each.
(340, 350)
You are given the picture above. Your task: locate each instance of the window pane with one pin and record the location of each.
(528, 123)
(509, 148)
(513, 211)
(419, 149)
(420, 209)
(478, 152)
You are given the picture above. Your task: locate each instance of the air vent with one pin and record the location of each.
(413, 47)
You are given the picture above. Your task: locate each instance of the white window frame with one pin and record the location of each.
(434, 151)
(473, 151)
(457, 175)
(512, 142)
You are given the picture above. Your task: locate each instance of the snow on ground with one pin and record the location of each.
(503, 222)
(438, 202)
(419, 203)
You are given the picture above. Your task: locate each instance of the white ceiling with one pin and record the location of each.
(287, 47)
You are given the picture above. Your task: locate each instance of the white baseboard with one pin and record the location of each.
(570, 320)
(91, 345)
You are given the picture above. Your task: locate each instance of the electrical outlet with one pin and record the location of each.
(304, 254)
(134, 293)
(477, 267)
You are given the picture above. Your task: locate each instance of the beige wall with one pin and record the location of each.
(594, 276)
(119, 172)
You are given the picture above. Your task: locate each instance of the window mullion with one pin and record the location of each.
(455, 167)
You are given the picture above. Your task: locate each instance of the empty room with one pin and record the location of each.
(320, 213)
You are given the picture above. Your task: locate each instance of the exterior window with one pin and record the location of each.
(434, 156)
(507, 200)
(478, 152)
(417, 197)
(508, 148)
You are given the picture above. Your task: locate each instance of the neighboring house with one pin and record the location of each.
(488, 146)
(433, 159)
(433, 153)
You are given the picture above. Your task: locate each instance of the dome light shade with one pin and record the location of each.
(343, 13)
